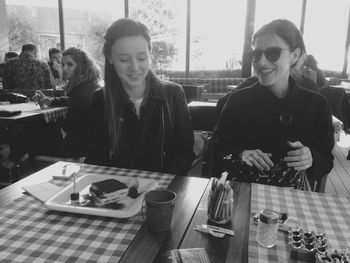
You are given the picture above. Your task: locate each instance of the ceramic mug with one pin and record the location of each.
(157, 208)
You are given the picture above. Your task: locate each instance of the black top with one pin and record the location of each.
(254, 118)
(76, 123)
(152, 142)
(302, 81)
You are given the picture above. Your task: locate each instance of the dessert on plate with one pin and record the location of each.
(109, 191)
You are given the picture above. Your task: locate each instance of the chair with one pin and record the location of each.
(204, 115)
(191, 92)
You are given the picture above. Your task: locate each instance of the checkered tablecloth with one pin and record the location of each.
(318, 212)
(31, 233)
(49, 114)
(54, 114)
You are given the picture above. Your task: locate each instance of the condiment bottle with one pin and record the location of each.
(266, 235)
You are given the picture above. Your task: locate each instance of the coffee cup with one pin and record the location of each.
(158, 206)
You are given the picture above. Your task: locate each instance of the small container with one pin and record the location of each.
(220, 204)
(266, 235)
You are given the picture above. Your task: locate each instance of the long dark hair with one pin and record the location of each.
(86, 70)
(113, 90)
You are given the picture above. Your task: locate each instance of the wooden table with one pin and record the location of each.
(227, 249)
(144, 246)
(319, 212)
(31, 111)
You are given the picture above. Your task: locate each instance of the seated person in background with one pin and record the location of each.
(310, 63)
(55, 56)
(276, 119)
(8, 56)
(70, 139)
(27, 71)
(138, 120)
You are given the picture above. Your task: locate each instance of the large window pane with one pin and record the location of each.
(268, 10)
(217, 33)
(166, 21)
(86, 21)
(31, 21)
(325, 32)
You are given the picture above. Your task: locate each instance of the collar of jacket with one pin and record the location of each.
(153, 87)
(292, 92)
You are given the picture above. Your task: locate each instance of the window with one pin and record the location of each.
(86, 21)
(217, 33)
(325, 32)
(268, 10)
(166, 21)
(32, 21)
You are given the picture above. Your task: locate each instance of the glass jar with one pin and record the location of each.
(266, 235)
(220, 205)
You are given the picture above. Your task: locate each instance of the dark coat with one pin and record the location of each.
(76, 123)
(156, 141)
(251, 119)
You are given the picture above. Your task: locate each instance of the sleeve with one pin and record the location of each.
(97, 149)
(59, 101)
(183, 155)
(225, 140)
(229, 131)
(322, 147)
(6, 81)
(48, 79)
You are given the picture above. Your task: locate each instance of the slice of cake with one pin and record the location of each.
(108, 191)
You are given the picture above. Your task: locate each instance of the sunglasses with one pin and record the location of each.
(272, 54)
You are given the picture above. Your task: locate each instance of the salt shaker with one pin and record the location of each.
(266, 235)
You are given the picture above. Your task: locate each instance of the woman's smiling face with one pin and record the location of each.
(274, 73)
(131, 59)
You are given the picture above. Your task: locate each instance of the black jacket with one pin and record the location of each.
(76, 123)
(251, 119)
(154, 142)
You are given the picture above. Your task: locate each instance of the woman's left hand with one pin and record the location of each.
(41, 99)
(300, 157)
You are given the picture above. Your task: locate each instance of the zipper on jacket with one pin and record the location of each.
(163, 139)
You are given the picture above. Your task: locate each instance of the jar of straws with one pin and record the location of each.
(220, 201)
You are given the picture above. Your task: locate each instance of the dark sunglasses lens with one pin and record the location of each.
(256, 55)
(272, 54)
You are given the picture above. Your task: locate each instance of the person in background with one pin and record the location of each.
(55, 61)
(310, 63)
(70, 138)
(8, 56)
(276, 119)
(27, 71)
(138, 120)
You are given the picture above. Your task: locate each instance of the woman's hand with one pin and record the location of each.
(41, 99)
(257, 158)
(299, 157)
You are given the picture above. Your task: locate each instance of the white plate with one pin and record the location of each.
(129, 206)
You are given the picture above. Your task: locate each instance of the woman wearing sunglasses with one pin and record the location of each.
(276, 119)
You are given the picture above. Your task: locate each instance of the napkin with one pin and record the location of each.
(42, 191)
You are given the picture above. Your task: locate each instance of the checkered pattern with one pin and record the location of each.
(54, 114)
(49, 114)
(318, 212)
(31, 233)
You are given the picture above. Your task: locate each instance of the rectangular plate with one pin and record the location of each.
(129, 206)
